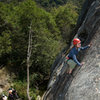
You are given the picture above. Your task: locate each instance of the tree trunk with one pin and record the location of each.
(28, 61)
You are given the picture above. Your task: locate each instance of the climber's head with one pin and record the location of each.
(77, 42)
(10, 91)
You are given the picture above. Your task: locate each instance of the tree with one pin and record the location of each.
(46, 41)
(29, 61)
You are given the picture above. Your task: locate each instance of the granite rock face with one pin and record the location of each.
(85, 82)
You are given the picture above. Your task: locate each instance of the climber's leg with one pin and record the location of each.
(71, 65)
(70, 71)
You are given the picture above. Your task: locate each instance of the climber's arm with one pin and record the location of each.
(75, 59)
(86, 47)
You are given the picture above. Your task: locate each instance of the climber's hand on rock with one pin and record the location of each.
(90, 44)
(82, 63)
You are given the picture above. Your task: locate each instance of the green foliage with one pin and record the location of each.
(44, 31)
(5, 42)
(51, 3)
(77, 3)
(45, 39)
(66, 18)
(21, 89)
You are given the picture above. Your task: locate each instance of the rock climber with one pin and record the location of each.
(71, 57)
(12, 94)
